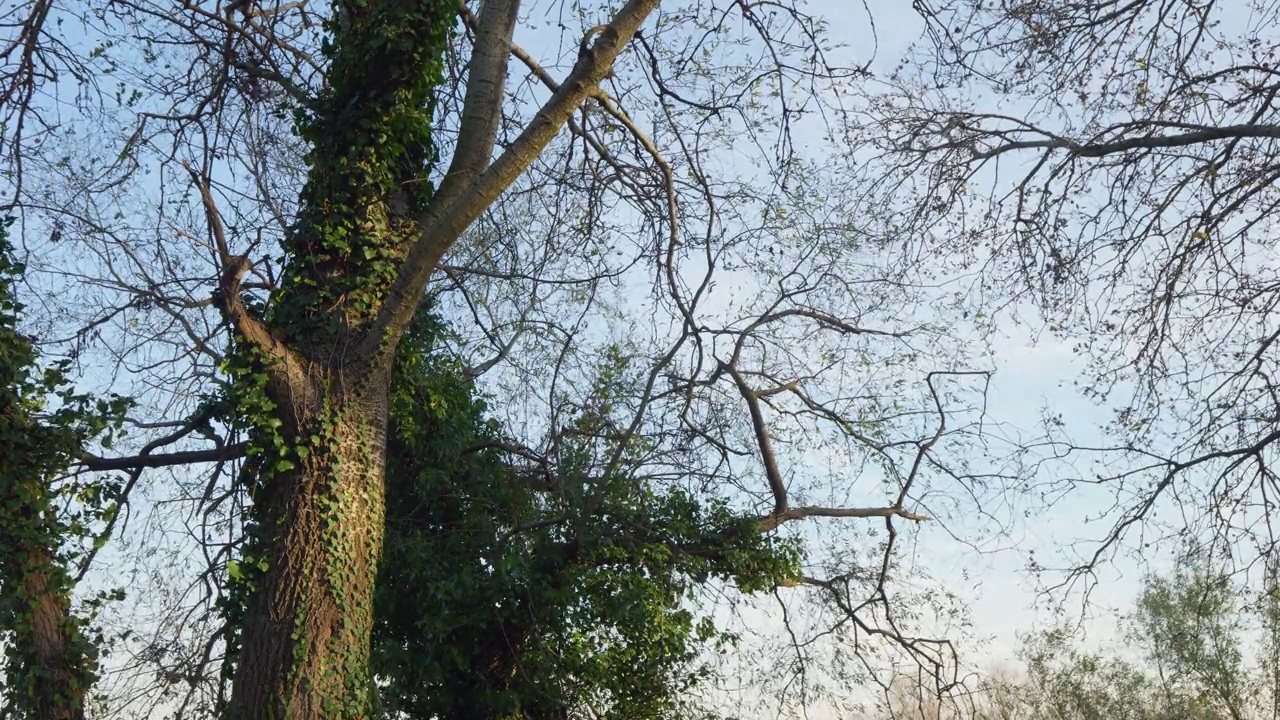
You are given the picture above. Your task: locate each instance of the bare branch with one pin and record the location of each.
(234, 268)
(1201, 134)
(439, 235)
(482, 108)
(146, 460)
(776, 484)
(772, 521)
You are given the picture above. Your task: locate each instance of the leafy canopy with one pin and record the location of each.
(511, 592)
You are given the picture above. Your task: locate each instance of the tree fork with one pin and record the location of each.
(367, 236)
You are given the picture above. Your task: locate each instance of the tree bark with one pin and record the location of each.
(304, 652)
(337, 320)
(50, 649)
(56, 642)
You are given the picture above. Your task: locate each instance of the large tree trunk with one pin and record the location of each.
(56, 643)
(368, 235)
(304, 651)
(48, 648)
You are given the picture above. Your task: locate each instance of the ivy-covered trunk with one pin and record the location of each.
(304, 646)
(51, 667)
(64, 670)
(313, 391)
(49, 664)
(371, 228)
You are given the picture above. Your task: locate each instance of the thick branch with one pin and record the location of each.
(789, 386)
(773, 520)
(145, 459)
(185, 457)
(1202, 134)
(482, 106)
(767, 457)
(520, 53)
(781, 511)
(827, 320)
(234, 267)
(438, 236)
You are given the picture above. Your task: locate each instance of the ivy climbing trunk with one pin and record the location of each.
(56, 641)
(305, 640)
(319, 497)
(311, 374)
(49, 664)
(48, 650)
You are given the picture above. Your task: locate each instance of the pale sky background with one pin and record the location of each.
(1032, 371)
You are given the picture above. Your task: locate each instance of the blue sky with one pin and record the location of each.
(1034, 371)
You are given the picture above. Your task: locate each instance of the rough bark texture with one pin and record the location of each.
(368, 235)
(54, 642)
(308, 625)
(47, 637)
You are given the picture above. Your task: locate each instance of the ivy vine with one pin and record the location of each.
(48, 519)
(372, 151)
(509, 595)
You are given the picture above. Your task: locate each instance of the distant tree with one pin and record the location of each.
(1268, 609)
(1191, 624)
(1185, 655)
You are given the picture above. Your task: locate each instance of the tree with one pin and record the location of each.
(732, 375)
(492, 602)
(50, 650)
(1191, 630)
(1126, 187)
(1192, 623)
(1268, 609)
(1184, 654)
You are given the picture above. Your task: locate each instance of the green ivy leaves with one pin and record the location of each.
(372, 151)
(502, 596)
(47, 519)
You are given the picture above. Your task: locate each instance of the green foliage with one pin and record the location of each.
(1191, 623)
(245, 404)
(1074, 685)
(1268, 611)
(1185, 659)
(45, 519)
(371, 151)
(508, 593)
(502, 593)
